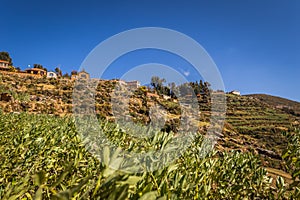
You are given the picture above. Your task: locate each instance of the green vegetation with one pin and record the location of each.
(259, 126)
(5, 56)
(39, 66)
(42, 157)
(182, 90)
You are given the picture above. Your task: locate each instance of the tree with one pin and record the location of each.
(12, 69)
(173, 90)
(184, 89)
(5, 56)
(157, 83)
(206, 91)
(201, 87)
(74, 72)
(39, 66)
(66, 75)
(58, 71)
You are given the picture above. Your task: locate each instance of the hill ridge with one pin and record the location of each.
(284, 104)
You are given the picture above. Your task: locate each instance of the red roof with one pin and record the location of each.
(4, 61)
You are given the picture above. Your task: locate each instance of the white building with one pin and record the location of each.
(235, 92)
(51, 75)
(133, 84)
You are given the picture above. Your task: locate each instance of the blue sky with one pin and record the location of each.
(255, 44)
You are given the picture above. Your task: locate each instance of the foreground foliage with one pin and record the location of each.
(42, 157)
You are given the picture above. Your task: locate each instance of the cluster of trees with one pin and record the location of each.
(198, 88)
(5, 56)
(39, 66)
(202, 88)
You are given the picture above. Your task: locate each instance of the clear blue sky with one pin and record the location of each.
(255, 43)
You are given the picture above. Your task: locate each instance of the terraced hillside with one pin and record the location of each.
(251, 125)
(286, 105)
(259, 128)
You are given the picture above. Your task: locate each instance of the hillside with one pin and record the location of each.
(251, 125)
(38, 130)
(258, 127)
(286, 105)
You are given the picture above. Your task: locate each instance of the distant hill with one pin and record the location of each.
(286, 105)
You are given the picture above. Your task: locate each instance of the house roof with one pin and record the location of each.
(34, 69)
(132, 81)
(83, 72)
(4, 61)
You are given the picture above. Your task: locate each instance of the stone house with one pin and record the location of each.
(83, 75)
(133, 84)
(80, 75)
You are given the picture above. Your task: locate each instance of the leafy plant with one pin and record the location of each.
(43, 157)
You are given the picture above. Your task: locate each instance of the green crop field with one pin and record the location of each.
(42, 157)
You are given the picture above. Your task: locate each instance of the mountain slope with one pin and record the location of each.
(288, 106)
(258, 127)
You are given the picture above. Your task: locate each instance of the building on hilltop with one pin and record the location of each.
(51, 75)
(121, 82)
(235, 92)
(133, 84)
(36, 71)
(83, 75)
(80, 75)
(4, 65)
